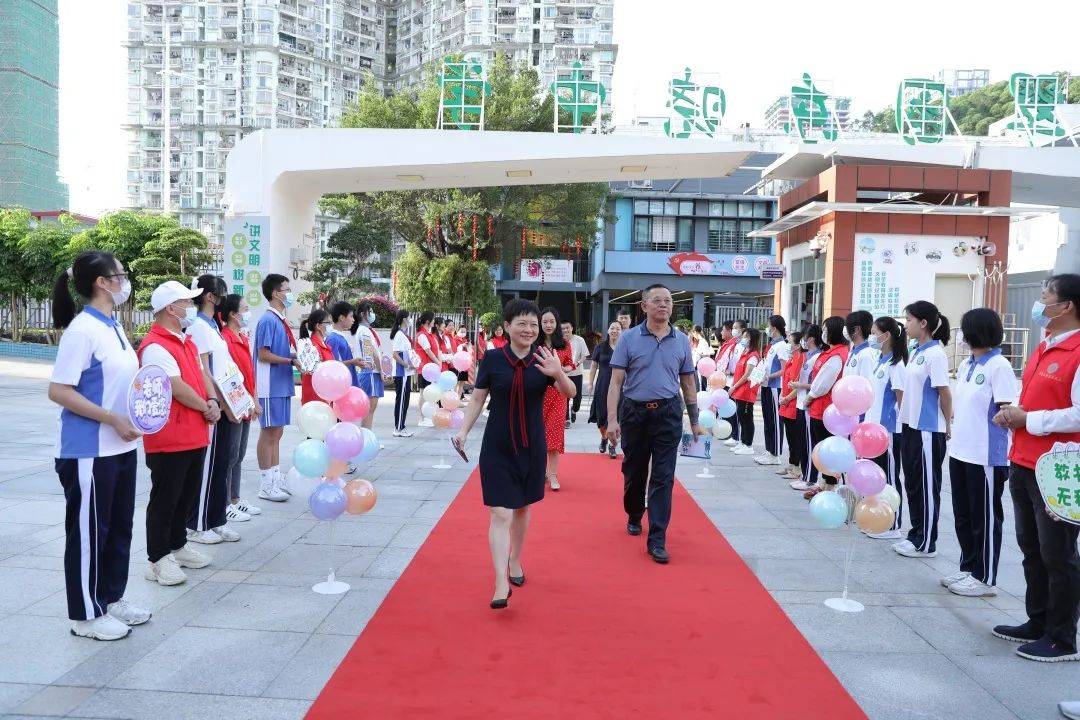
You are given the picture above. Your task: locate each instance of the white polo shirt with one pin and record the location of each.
(981, 385)
(886, 380)
(205, 334)
(95, 358)
(862, 361)
(804, 377)
(927, 370)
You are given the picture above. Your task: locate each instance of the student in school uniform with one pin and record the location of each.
(863, 357)
(207, 522)
(315, 328)
(726, 358)
(823, 375)
(776, 359)
(926, 413)
(340, 338)
(979, 453)
(370, 371)
(888, 339)
(404, 358)
(96, 446)
(177, 453)
(743, 392)
(274, 349)
(812, 344)
(427, 348)
(788, 409)
(235, 317)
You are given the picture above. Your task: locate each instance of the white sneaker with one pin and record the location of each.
(235, 514)
(800, 485)
(971, 587)
(269, 491)
(281, 485)
(248, 508)
(426, 422)
(767, 459)
(743, 450)
(127, 613)
(226, 533)
(783, 470)
(731, 441)
(404, 433)
(105, 627)
(886, 535)
(189, 557)
(165, 571)
(954, 578)
(203, 537)
(907, 549)
(1070, 709)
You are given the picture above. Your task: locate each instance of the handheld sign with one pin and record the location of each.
(230, 382)
(699, 448)
(149, 399)
(758, 374)
(1058, 475)
(307, 356)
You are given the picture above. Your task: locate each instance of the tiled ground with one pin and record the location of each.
(246, 638)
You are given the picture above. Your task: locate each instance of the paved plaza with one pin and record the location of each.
(246, 637)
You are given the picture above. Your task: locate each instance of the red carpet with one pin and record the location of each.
(598, 630)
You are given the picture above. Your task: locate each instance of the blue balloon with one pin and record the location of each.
(371, 446)
(727, 409)
(327, 501)
(829, 510)
(447, 380)
(836, 454)
(706, 419)
(311, 458)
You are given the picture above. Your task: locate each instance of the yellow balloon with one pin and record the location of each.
(874, 515)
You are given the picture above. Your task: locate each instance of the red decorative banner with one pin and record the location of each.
(524, 237)
(491, 227)
(577, 246)
(475, 224)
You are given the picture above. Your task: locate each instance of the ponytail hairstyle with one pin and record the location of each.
(796, 340)
(401, 316)
(833, 330)
(936, 323)
(316, 318)
(83, 273)
(898, 341)
(754, 335)
(228, 306)
(813, 332)
(210, 284)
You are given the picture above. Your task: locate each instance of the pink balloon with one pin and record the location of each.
(331, 380)
(344, 441)
(430, 372)
(866, 478)
(706, 366)
(353, 405)
(462, 361)
(457, 419)
(853, 395)
(719, 397)
(870, 439)
(450, 400)
(837, 423)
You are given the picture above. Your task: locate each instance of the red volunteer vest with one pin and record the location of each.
(1046, 385)
(433, 343)
(791, 374)
(723, 355)
(746, 391)
(307, 390)
(817, 407)
(186, 429)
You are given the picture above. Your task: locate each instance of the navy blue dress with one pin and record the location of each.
(513, 456)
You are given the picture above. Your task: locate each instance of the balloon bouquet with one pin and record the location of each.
(450, 416)
(713, 406)
(320, 461)
(866, 499)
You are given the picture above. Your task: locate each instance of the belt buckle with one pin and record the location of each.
(651, 405)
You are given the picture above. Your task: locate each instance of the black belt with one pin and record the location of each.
(651, 404)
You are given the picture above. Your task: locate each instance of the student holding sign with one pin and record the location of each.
(96, 453)
(744, 392)
(315, 329)
(235, 315)
(371, 355)
(1048, 412)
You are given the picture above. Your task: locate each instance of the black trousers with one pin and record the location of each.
(100, 494)
(923, 457)
(889, 461)
(796, 438)
(401, 401)
(574, 404)
(736, 433)
(770, 414)
(744, 414)
(810, 472)
(976, 501)
(651, 433)
(209, 510)
(819, 432)
(1051, 563)
(175, 479)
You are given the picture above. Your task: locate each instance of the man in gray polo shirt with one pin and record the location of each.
(651, 363)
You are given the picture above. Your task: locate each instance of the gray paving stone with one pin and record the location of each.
(307, 673)
(356, 607)
(22, 587)
(55, 700)
(961, 631)
(265, 607)
(143, 705)
(390, 563)
(1029, 689)
(13, 694)
(41, 649)
(875, 629)
(784, 574)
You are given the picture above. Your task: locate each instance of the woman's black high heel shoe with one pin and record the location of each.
(501, 604)
(519, 580)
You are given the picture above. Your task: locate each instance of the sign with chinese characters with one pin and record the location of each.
(922, 111)
(696, 106)
(771, 271)
(463, 89)
(230, 382)
(1058, 475)
(247, 257)
(811, 117)
(543, 270)
(580, 98)
(1035, 101)
(692, 447)
(149, 399)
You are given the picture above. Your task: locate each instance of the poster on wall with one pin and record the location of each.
(892, 271)
(695, 263)
(545, 271)
(247, 257)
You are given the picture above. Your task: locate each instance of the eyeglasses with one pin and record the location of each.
(123, 275)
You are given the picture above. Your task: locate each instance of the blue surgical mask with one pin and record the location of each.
(371, 318)
(804, 345)
(745, 342)
(245, 318)
(1038, 316)
(190, 315)
(875, 342)
(289, 299)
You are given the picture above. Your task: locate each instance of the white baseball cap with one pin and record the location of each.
(169, 292)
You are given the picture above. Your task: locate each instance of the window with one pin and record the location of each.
(686, 234)
(642, 239)
(762, 210)
(663, 234)
(746, 209)
(686, 207)
(656, 207)
(671, 207)
(641, 207)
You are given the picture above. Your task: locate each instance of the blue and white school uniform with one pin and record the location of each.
(209, 510)
(339, 344)
(923, 444)
(802, 417)
(779, 353)
(862, 361)
(886, 379)
(979, 460)
(274, 386)
(371, 380)
(96, 467)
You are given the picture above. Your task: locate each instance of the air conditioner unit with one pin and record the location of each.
(298, 256)
(640, 184)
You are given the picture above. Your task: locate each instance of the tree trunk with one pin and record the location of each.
(16, 332)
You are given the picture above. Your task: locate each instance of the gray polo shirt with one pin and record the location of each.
(653, 364)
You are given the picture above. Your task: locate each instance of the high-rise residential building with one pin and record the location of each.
(961, 82)
(235, 66)
(779, 113)
(29, 106)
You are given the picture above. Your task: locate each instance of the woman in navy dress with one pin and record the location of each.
(513, 457)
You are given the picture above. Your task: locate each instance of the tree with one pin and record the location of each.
(14, 227)
(353, 255)
(445, 283)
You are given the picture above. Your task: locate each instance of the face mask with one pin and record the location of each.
(461, 333)
(1038, 308)
(245, 318)
(326, 328)
(804, 345)
(745, 342)
(875, 342)
(121, 296)
(190, 314)
(912, 344)
(845, 334)
(371, 318)
(736, 333)
(289, 299)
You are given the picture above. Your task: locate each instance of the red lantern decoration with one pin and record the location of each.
(438, 227)
(475, 225)
(577, 246)
(524, 237)
(461, 225)
(491, 227)
(565, 249)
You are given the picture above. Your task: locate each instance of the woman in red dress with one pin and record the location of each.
(555, 401)
(315, 327)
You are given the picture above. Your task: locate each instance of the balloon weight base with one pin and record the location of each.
(331, 587)
(845, 605)
(705, 474)
(441, 466)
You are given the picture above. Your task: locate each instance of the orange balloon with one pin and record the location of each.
(717, 380)
(874, 515)
(337, 468)
(441, 418)
(817, 463)
(360, 496)
(450, 400)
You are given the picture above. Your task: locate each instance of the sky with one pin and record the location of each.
(851, 48)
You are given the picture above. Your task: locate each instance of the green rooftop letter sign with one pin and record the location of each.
(463, 89)
(695, 108)
(811, 118)
(922, 111)
(579, 98)
(1035, 98)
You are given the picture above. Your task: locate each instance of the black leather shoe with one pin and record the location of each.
(519, 580)
(633, 528)
(659, 554)
(501, 604)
